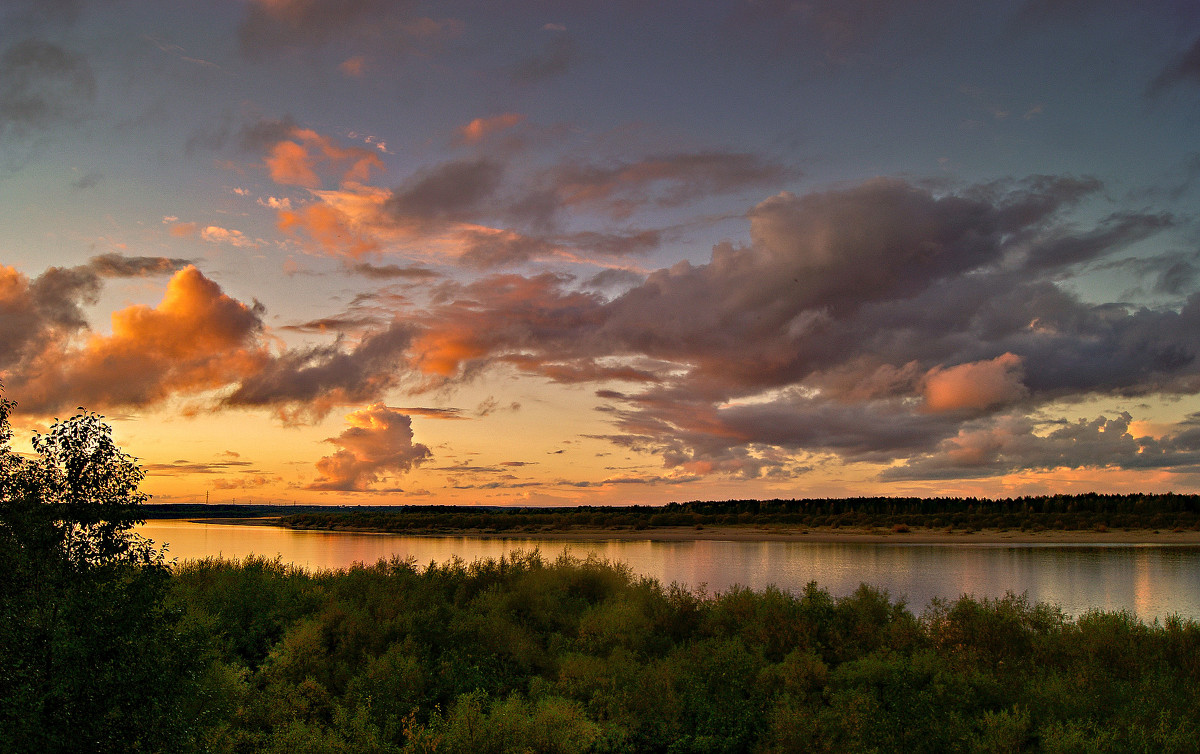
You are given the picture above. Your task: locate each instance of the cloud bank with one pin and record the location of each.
(884, 323)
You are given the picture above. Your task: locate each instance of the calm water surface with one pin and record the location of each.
(1151, 581)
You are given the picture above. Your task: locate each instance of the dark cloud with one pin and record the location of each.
(877, 322)
(433, 413)
(745, 439)
(270, 26)
(1010, 444)
(87, 181)
(121, 266)
(1176, 279)
(665, 180)
(617, 244)
(831, 31)
(392, 272)
(42, 86)
(451, 190)
(45, 309)
(490, 249)
(614, 279)
(263, 134)
(190, 467)
(1184, 69)
(1113, 233)
(489, 211)
(334, 324)
(274, 26)
(917, 281)
(558, 55)
(37, 13)
(378, 443)
(882, 292)
(312, 381)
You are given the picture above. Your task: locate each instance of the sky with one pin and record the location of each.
(551, 252)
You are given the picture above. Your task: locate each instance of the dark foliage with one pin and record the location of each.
(1069, 512)
(89, 656)
(519, 654)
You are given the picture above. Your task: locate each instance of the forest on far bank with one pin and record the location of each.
(1092, 511)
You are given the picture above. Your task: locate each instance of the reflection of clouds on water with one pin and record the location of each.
(1149, 581)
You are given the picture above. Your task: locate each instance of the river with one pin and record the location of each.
(1150, 581)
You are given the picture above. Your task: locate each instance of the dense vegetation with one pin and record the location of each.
(1065, 512)
(522, 655)
(91, 658)
(106, 649)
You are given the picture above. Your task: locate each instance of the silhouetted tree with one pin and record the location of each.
(88, 655)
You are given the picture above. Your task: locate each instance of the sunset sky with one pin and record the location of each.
(552, 253)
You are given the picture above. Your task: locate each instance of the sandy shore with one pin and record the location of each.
(820, 534)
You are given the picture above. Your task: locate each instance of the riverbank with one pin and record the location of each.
(849, 535)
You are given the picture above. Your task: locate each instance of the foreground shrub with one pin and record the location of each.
(521, 654)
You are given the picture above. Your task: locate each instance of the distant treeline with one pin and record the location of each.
(1060, 512)
(236, 510)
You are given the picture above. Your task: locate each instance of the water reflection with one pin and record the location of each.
(1149, 581)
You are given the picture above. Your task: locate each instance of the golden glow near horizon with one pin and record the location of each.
(559, 256)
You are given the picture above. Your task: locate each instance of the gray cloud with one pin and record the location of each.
(312, 381)
(487, 250)
(557, 56)
(306, 23)
(390, 26)
(1009, 444)
(1185, 68)
(87, 181)
(822, 32)
(663, 180)
(392, 272)
(121, 266)
(872, 323)
(190, 467)
(261, 135)
(499, 216)
(451, 190)
(36, 13)
(42, 86)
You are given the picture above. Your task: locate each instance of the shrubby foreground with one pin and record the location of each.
(519, 654)
(106, 648)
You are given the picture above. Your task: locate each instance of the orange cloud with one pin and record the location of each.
(183, 230)
(290, 164)
(975, 386)
(442, 352)
(330, 228)
(478, 129)
(355, 66)
(14, 291)
(196, 339)
(217, 234)
(379, 440)
(295, 162)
